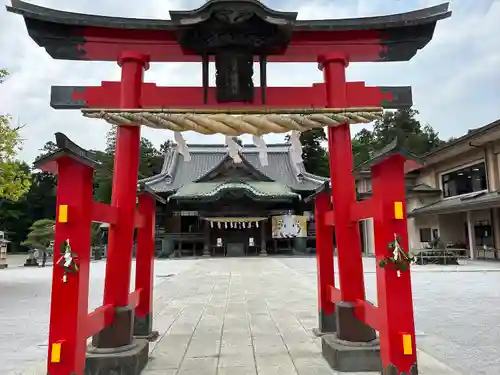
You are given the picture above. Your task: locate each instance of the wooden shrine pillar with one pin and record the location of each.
(325, 265)
(144, 259)
(70, 275)
(394, 293)
(121, 235)
(206, 245)
(347, 235)
(263, 238)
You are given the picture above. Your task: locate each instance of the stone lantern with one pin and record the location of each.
(3, 250)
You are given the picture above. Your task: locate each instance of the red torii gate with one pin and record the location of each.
(70, 323)
(133, 44)
(344, 309)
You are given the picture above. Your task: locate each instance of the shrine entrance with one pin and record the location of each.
(234, 34)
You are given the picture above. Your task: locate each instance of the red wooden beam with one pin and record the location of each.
(329, 218)
(104, 213)
(362, 210)
(335, 295)
(99, 319)
(368, 313)
(134, 298)
(108, 96)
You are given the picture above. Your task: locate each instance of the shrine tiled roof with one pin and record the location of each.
(258, 189)
(176, 172)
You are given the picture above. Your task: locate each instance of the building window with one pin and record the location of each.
(425, 235)
(463, 181)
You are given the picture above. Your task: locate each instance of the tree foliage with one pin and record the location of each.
(150, 163)
(41, 234)
(418, 139)
(313, 153)
(14, 181)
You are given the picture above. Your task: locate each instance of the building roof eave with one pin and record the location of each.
(477, 201)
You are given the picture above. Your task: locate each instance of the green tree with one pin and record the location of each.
(14, 180)
(41, 234)
(402, 123)
(313, 153)
(150, 163)
(48, 148)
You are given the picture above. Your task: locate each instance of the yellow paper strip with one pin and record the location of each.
(407, 345)
(398, 210)
(55, 353)
(63, 213)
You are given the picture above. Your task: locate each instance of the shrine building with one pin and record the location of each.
(220, 206)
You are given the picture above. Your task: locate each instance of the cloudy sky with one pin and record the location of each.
(455, 79)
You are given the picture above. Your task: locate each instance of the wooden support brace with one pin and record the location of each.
(335, 295)
(362, 210)
(368, 313)
(134, 298)
(104, 213)
(99, 319)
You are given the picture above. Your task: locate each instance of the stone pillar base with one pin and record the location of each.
(125, 360)
(392, 370)
(119, 333)
(327, 324)
(344, 356)
(263, 253)
(206, 253)
(3, 266)
(143, 328)
(350, 328)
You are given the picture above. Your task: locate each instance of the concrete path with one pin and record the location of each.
(243, 317)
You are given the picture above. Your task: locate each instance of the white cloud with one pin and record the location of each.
(455, 78)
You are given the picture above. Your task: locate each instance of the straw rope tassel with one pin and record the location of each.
(234, 149)
(182, 147)
(233, 124)
(262, 147)
(296, 147)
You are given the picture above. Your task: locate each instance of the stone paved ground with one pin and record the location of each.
(25, 304)
(244, 317)
(240, 316)
(456, 311)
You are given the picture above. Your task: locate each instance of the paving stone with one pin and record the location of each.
(275, 365)
(199, 366)
(237, 370)
(203, 348)
(236, 359)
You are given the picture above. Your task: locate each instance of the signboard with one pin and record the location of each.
(289, 226)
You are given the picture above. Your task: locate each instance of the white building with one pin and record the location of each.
(455, 195)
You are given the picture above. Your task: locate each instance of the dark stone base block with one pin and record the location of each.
(346, 356)
(126, 360)
(327, 324)
(143, 328)
(392, 370)
(350, 328)
(119, 333)
(3, 266)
